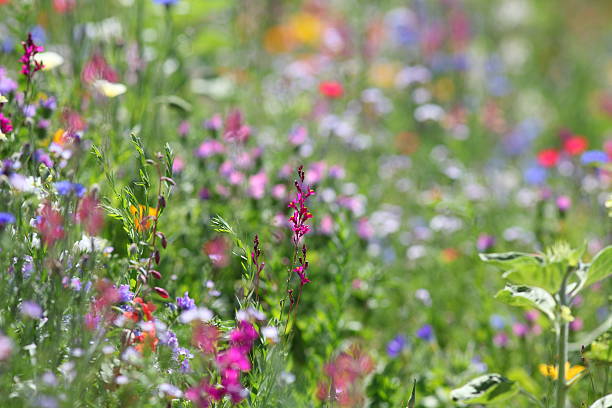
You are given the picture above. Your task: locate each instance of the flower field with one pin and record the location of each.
(305, 203)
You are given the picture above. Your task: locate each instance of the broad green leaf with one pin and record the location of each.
(600, 349)
(601, 266)
(605, 402)
(528, 269)
(486, 389)
(528, 296)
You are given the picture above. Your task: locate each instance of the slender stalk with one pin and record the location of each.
(562, 345)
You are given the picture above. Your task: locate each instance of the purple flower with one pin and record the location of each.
(396, 345)
(166, 2)
(425, 333)
(168, 338)
(520, 329)
(485, 242)
(31, 309)
(124, 293)
(185, 302)
(66, 187)
(535, 175)
(500, 339)
(6, 218)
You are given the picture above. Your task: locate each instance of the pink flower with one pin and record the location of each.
(331, 89)
(234, 358)
(217, 249)
(364, 229)
(532, 315)
(6, 126)
(500, 339)
(279, 191)
(98, 68)
(178, 165)
(205, 337)
(577, 324)
(50, 224)
(257, 185)
(298, 135)
(210, 148)
(235, 130)
(520, 329)
(90, 214)
(316, 172)
(327, 225)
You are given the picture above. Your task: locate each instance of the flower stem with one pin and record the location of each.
(562, 347)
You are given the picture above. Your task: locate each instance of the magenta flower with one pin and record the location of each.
(301, 214)
(29, 65)
(50, 224)
(520, 329)
(6, 126)
(210, 148)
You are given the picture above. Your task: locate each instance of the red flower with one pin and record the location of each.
(331, 89)
(548, 158)
(161, 292)
(575, 145)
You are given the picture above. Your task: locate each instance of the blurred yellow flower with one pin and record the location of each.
(552, 371)
(306, 28)
(383, 75)
(142, 215)
(109, 89)
(279, 39)
(3, 99)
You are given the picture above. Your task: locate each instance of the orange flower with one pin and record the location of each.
(142, 216)
(552, 371)
(147, 338)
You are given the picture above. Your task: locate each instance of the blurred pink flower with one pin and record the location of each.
(257, 185)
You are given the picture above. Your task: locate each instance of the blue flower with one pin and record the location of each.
(396, 345)
(166, 2)
(66, 187)
(497, 322)
(426, 333)
(535, 175)
(185, 302)
(594, 156)
(6, 218)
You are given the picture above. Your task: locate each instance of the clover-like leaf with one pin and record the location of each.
(486, 389)
(528, 296)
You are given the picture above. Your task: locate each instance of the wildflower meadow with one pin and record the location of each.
(305, 203)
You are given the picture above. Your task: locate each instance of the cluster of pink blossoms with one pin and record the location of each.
(231, 362)
(29, 65)
(301, 214)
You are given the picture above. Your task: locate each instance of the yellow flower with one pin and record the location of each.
(142, 216)
(307, 28)
(3, 99)
(552, 371)
(109, 89)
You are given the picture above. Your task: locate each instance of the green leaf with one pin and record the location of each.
(605, 402)
(412, 400)
(528, 296)
(601, 266)
(486, 389)
(600, 349)
(528, 269)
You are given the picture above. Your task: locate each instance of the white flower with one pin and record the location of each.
(87, 243)
(49, 59)
(199, 313)
(270, 333)
(109, 89)
(3, 99)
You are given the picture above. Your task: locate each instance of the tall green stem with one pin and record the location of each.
(562, 347)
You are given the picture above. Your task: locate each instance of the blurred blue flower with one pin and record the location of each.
(535, 175)
(65, 187)
(6, 218)
(166, 2)
(396, 345)
(594, 156)
(497, 322)
(39, 35)
(124, 293)
(426, 333)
